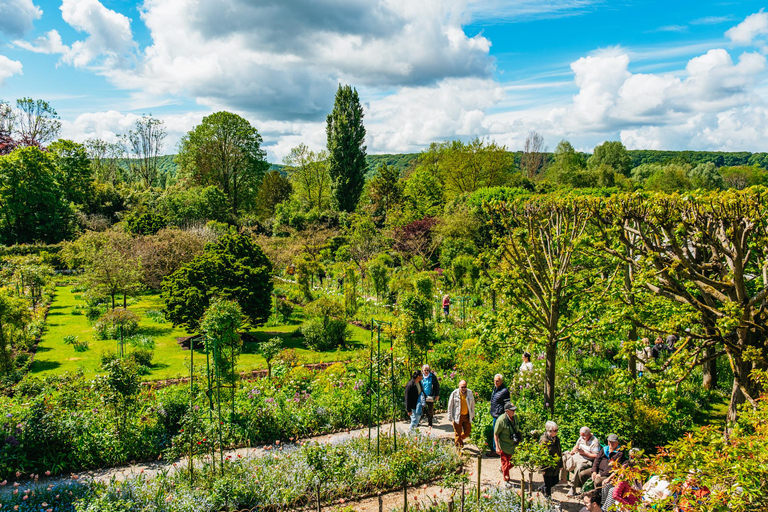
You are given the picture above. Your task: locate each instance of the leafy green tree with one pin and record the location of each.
(613, 154)
(36, 122)
(111, 267)
(378, 269)
(221, 323)
(225, 150)
(309, 175)
(468, 167)
(346, 149)
(274, 190)
(120, 387)
(105, 159)
(269, 350)
(670, 178)
(188, 206)
(32, 207)
(73, 170)
(232, 268)
(145, 142)
(423, 196)
(383, 192)
(705, 176)
(568, 165)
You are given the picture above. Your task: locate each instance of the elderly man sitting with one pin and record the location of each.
(583, 454)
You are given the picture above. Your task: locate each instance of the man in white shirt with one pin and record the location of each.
(584, 453)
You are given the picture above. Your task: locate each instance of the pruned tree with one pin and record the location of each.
(144, 143)
(539, 243)
(710, 253)
(532, 160)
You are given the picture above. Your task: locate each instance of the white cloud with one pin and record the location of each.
(17, 16)
(8, 68)
(49, 43)
(746, 32)
(284, 59)
(490, 11)
(109, 34)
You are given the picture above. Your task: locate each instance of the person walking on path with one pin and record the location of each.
(413, 398)
(446, 304)
(461, 411)
(431, 387)
(552, 442)
(507, 435)
(499, 398)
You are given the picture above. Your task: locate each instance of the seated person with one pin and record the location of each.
(591, 502)
(584, 453)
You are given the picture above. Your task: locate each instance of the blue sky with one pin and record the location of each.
(656, 75)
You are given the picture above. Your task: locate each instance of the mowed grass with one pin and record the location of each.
(170, 361)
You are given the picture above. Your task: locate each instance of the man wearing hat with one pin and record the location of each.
(602, 468)
(506, 434)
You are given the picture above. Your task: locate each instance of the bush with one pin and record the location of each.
(109, 326)
(142, 357)
(329, 335)
(156, 316)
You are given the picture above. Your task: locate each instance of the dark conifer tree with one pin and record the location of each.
(346, 149)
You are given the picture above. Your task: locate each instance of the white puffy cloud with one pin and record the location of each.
(109, 34)
(8, 68)
(17, 16)
(49, 43)
(752, 28)
(284, 59)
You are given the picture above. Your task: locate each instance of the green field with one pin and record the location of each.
(170, 361)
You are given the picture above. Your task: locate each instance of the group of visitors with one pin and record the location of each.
(659, 350)
(588, 461)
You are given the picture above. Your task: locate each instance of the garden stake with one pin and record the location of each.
(191, 408)
(318, 497)
(479, 467)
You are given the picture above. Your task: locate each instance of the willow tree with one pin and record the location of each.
(708, 252)
(542, 271)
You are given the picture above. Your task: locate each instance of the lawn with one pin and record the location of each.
(170, 361)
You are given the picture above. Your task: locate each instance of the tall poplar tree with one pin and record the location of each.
(346, 149)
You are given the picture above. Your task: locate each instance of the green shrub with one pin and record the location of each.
(141, 341)
(70, 339)
(109, 326)
(142, 357)
(156, 316)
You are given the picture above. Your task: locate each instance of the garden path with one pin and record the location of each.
(490, 472)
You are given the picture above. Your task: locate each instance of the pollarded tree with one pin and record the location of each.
(539, 253)
(232, 268)
(346, 149)
(225, 150)
(708, 252)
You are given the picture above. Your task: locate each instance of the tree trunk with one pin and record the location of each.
(710, 371)
(632, 336)
(741, 371)
(549, 385)
(125, 301)
(113, 302)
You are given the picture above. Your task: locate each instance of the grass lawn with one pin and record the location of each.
(170, 361)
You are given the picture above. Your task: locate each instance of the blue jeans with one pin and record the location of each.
(416, 414)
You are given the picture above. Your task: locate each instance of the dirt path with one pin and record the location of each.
(490, 474)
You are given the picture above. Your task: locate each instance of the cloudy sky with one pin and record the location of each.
(678, 74)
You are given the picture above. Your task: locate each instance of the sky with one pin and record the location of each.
(654, 74)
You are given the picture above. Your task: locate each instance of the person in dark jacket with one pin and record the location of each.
(552, 442)
(602, 468)
(431, 387)
(499, 398)
(413, 397)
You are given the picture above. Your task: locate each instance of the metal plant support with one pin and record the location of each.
(376, 327)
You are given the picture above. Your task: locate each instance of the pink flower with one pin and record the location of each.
(47, 473)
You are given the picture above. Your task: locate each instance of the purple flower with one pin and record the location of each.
(9, 415)
(11, 440)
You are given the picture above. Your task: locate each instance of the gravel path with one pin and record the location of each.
(490, 475)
